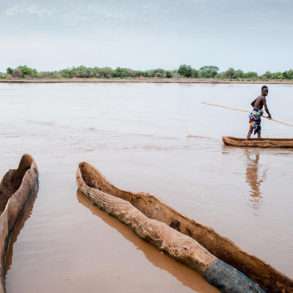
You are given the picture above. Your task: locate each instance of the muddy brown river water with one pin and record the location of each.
(154, 138)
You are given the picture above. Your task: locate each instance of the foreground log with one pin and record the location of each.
(16, 188)
(89, 178)
(128, 208)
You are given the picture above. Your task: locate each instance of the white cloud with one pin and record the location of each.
(24, 9)
(35, 10)
(12, 11)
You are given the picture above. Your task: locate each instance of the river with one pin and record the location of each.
(156, 138)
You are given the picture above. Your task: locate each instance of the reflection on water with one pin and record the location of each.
(23, 217)
(254, 175)
(182, 273)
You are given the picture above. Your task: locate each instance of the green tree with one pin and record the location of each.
(104, 72)
(169, 74)
(185, 70)
(288, 74)
(159, 73)
(24, 71)
(9, 71)
(250, 75)
(277, 75)
(208, 71)
(122, 72)
(82, 72)
(229, 73)
(194, 73)
(238, 74)
(267, 75)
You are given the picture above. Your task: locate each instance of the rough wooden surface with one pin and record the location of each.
(16, 187)
(164, 235)
(262, 273)
(258, 142)
(176, 244)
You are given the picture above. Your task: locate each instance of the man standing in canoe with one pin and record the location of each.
(255, 116)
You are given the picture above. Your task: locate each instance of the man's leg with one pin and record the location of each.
(258, 128)
(259, 132)
(250, 130)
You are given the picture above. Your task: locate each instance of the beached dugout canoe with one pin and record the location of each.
(16, 188)
(258, 142)
(154, 226)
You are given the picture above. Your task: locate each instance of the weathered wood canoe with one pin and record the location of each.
(218, 259)
(16, 188)
(258, 142)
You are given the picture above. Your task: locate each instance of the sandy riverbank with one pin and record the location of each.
(147, 80)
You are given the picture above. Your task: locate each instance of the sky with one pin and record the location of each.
(252, 35)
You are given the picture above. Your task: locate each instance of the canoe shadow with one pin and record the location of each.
(22, 218)
(183, 274)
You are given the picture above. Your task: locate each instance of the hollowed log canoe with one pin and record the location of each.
(217, 258)
(16, 188)
(258, 142)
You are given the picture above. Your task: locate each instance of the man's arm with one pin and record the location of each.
(253, 103)
(267, 109)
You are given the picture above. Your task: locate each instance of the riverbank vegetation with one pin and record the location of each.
(184, 71)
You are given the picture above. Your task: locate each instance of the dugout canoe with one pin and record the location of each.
(222, 254)
(258, 142)
(17, 187)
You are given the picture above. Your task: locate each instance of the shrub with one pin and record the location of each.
(185, 70)
(208, 71)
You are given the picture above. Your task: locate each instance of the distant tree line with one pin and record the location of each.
(184, 71)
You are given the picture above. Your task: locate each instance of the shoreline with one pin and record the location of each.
(146, 80)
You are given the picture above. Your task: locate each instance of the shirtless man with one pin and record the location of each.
(255, 116)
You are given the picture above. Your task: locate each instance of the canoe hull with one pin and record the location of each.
(258, 142)
(169, 240)
(16, 188)
(88, 178)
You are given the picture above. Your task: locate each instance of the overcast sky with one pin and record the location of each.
(249, 34)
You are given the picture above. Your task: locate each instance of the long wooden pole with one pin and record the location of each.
(246, 111)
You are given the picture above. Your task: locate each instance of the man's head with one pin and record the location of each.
(264, 90)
